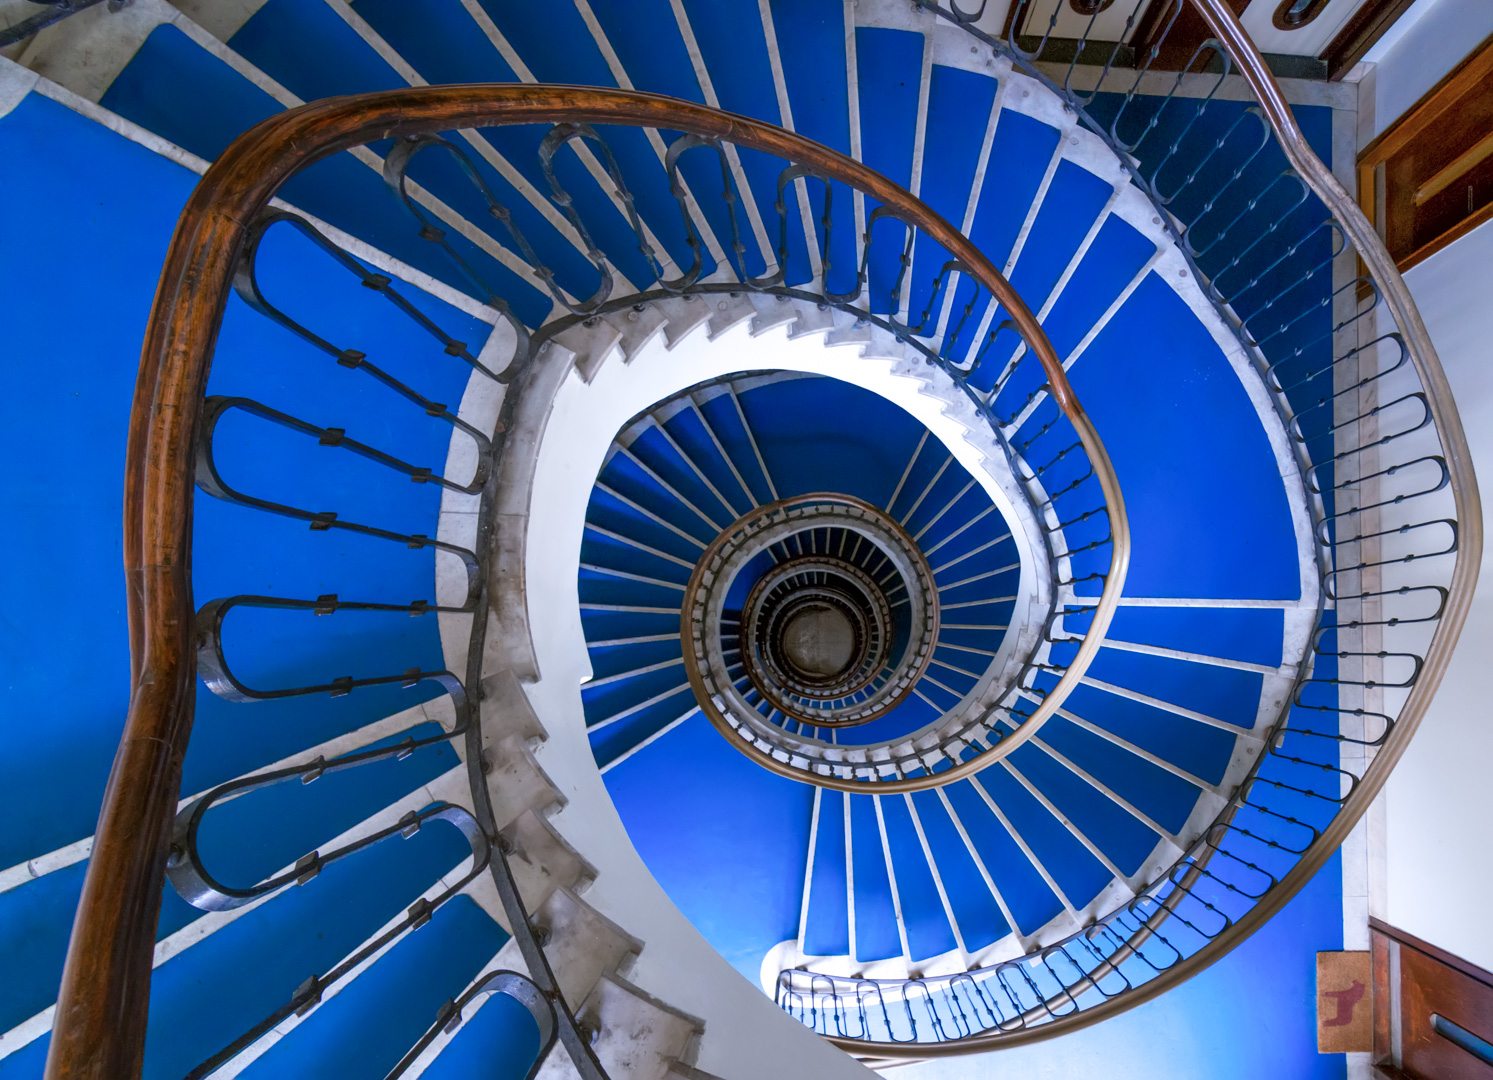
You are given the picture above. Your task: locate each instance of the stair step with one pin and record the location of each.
(635, 1036)
(1172, 704)
(380, 1014)
(581, 944)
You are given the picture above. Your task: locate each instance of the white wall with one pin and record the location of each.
(1428, 41)
(1437, 835)
(1431, 830)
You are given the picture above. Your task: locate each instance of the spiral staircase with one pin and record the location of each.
(953, 524)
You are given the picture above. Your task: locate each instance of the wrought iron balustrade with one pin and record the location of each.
(177, 429)
(54, 12)
(1316, 305)
(1266, 231)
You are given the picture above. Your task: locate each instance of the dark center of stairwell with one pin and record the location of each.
(819, 641)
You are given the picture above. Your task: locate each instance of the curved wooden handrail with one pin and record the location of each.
(708, 558)
(99, 1028)
(1047, 708)
(1235, 42)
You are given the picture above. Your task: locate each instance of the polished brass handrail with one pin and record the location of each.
(1245, 56)
(99, 1029)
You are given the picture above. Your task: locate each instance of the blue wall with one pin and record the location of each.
(1251, 1016)
(80, 279)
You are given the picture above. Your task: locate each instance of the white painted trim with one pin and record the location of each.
(1120, 645)
(1024, 940)
(649, 514)
(936, 518)
(1000, 70)
(851, 935)
(624, 81)
(694, 468)
(720, 448)
(959, 531)
(484, 148)
(443, 1038)
(1038, 198)
(746, 427)
(943, 895)
(644, 639)
(1020, 842)
(891, 877)
(915, 179)
(583, 153)
(649, 741)
(359, 249)
(1145, 755)
(1131, 881)
(450, 786)
(1173, 842)
(15, 83)
(638, 545)
(957, 559)
(1333, 95)
(1167, 706)
(1221, 604)
(785, 119)
(608, 571)
(633, 710)
(607, 680)
(917, 451)
(733, 157)
(1093, 332)
(770, 977)
(79, 850)
(624, 450)
(256, 1050)
(918, 502)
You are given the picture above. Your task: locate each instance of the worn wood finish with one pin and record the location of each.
(1423, 982)
(99, 1032)
(1452, 961)
(1360, 33)
(1384, 999)
(1428, 989)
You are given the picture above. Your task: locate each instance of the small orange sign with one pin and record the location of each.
(1345, 1014)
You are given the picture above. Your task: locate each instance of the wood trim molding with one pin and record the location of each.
(1430, 1010)
(1440, 955)
(1474, 68)
(1472, 74)
(1360, 33)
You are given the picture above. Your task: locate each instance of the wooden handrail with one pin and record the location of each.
(100, 1022)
